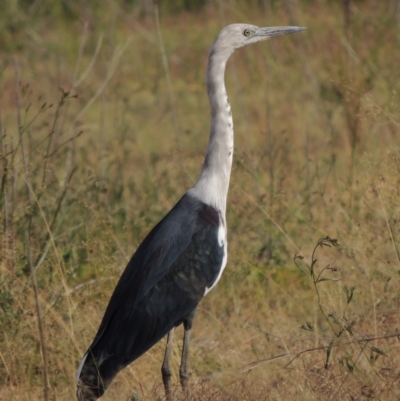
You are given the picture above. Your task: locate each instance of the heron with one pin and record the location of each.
(183, 256)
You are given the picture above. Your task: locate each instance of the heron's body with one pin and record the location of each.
(156, 299)
(183, 256)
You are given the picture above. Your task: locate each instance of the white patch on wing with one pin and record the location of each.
(222, 242)
(221, 234)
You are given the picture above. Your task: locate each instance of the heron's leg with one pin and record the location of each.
(184, 371)
(166, 366)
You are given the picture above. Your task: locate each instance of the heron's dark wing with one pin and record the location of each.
(153, 258)
(185, 227)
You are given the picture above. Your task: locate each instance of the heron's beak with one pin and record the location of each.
(278, 31)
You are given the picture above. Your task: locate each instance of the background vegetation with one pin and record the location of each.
(104, 124)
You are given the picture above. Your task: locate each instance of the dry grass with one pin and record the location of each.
(317, 154)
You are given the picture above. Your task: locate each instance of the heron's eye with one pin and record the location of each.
(246, 32)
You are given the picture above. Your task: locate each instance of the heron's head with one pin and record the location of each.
(235, 36)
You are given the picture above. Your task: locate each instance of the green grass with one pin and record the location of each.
(316, 154)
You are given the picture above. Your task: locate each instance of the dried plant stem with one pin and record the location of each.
(364, 341)
(278, 226)
(167, 76)
(45, 244)
(397, 253)
(40, 321)
(119, 51)
(20, 126)
(346, 17)
(75, 80)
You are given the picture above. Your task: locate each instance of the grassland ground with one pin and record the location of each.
(104, 123)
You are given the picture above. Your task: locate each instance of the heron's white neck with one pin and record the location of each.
(212, 186)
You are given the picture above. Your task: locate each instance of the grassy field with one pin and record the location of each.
(104, 124)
